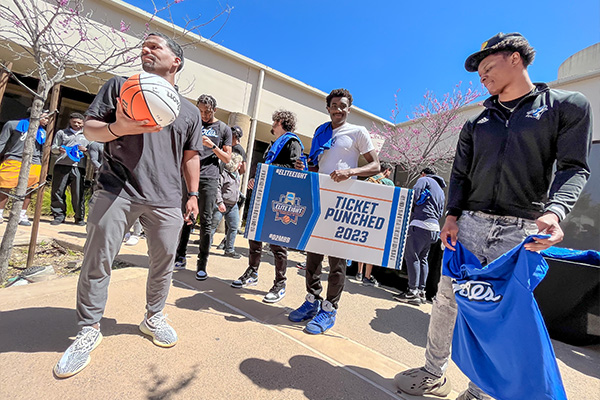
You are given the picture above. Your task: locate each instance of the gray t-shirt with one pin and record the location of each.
(220, 134)
(12, 144)
(146, 168)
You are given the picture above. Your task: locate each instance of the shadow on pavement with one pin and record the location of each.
(157, 385)
(81, 235)
(47, 329)
(316, 378)
(408, 322)
(583, 359)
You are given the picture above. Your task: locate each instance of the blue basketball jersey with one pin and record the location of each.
(500, 340)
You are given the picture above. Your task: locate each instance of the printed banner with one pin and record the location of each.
(355, 220)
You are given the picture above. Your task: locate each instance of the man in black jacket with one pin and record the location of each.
(501, 188)
(283, 152)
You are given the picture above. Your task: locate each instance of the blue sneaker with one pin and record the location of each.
(306, 311)
(321, 322)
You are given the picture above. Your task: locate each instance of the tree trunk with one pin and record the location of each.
(21, 189)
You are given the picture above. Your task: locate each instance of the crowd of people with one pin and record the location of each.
(502, 188)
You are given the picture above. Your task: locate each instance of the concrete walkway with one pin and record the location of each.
(232, 345)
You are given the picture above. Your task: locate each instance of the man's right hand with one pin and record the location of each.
(222, 207)
(127, 126)
(449, 231)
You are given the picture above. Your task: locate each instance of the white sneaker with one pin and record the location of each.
(158, 328)
(132, 241)
(77, 356)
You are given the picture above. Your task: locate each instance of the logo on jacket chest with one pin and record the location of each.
(537, 113)
(476, 291)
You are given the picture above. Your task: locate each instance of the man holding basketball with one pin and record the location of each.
(140, 178)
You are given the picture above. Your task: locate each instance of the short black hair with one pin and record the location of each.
(519, 45)
(237, 131)
(429, 171)
(76, 115)
(286, 118)
(386, 165)
(173, 45)
(208, 101)
(339, 93)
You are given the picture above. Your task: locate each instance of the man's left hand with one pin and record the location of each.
(340, 175)
(191, 207)
(547, 224)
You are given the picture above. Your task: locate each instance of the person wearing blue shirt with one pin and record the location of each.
(424, 230)
(502, 186)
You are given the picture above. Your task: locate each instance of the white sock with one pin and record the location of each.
(23, 214)
(310, 298)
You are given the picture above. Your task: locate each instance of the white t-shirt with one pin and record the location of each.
(349, 142)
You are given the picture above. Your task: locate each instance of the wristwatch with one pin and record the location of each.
(190, 194)
(214, 146)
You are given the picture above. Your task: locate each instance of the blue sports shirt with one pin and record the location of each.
(500, 339)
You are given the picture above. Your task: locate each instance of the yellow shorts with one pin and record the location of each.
(9, 174)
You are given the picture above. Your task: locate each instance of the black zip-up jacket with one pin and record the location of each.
(504, 167)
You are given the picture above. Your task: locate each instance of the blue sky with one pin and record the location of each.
(374, 48)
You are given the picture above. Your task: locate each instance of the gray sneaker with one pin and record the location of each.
(418, 381)
(77, 356)
(157, 327)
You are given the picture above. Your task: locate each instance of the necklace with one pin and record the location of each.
(513, 108)
(508, 108)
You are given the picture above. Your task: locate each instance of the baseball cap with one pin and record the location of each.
(237, 131)
(492, 45)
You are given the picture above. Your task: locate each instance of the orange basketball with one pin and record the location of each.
(150, 97)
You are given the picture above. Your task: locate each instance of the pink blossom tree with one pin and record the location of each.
(430, 137)
(58, 41)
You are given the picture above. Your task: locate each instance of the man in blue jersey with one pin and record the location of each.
(501, 188)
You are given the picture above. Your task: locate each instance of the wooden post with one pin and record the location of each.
(4, 76)
(54, 96)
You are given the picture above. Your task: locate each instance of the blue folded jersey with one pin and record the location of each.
(500, 339)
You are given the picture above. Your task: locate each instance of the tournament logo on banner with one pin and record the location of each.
(353, 219)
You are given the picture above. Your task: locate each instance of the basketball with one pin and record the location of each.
(148, 96)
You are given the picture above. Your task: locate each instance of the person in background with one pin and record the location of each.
(227, 204)
(69, 170)
(283, 152)
(12, 143)
(216, 140)
(423, 231)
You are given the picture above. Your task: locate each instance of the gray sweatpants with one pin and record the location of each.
(487, 237)
(109, 218)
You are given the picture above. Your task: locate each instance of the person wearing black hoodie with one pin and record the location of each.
(424, 230)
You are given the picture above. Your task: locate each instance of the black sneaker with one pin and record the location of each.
(79, 222)
(359, 277)
(370, 281)
(24, 222)
(57, 221)
(221, 246)
(249, 278)
(409, 297)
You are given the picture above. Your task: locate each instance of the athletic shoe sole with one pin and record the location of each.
(145, 330)
(69, 374)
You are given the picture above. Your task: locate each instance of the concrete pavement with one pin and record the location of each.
(232, 345)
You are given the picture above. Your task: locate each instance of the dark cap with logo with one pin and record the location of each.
(499, 42)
